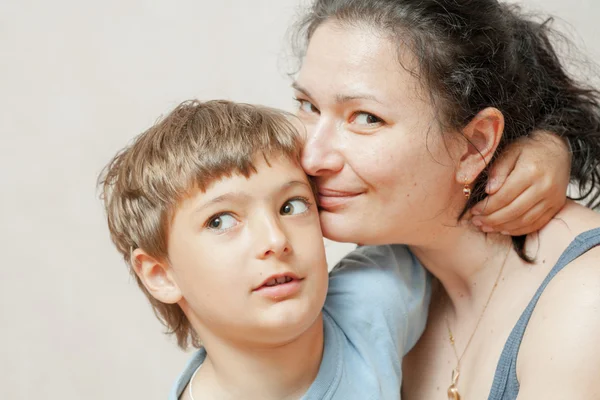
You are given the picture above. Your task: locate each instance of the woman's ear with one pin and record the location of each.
(482, 136)
(156, 276)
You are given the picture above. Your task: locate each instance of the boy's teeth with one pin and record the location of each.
(278, 281)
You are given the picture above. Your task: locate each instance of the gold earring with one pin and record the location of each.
(467, 189)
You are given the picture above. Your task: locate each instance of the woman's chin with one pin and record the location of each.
(357, 229)
(341, 228)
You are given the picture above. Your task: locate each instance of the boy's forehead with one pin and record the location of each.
(272, 173)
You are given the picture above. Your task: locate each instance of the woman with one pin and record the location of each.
(406, 104)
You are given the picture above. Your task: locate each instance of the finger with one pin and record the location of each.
(537, 225)
(496, 212)
(514, 186)
(525, 221)
(502, 168)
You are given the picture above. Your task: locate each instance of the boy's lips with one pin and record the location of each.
(279, 286)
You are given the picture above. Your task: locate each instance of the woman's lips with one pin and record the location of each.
(330, 199)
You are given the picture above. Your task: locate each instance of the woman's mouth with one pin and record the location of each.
(331, 200)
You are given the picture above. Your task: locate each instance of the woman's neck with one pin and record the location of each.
(466, 262)
(285, 371)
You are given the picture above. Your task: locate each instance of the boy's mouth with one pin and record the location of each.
(279, 286)
(278, 281)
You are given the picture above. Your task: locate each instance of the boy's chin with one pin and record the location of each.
(284, 328)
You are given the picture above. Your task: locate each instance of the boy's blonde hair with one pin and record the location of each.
(196, 144)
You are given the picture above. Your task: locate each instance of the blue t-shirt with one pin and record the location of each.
(375, 311)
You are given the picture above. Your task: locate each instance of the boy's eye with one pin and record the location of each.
(221, 222)
(293, 207)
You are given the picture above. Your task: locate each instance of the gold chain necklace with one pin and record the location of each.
(452, 389)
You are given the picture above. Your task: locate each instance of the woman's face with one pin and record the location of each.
(383, 171)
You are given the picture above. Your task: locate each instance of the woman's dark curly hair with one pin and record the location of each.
(474, 54)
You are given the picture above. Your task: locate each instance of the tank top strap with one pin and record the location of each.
(506, 385)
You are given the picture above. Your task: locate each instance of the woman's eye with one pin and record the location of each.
(293, 207)
(221, 222)
(307, 106)
(363, 118)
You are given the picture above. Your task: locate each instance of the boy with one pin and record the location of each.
(218, 221)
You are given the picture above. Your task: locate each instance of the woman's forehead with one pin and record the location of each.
(354, 61)
(348, 49)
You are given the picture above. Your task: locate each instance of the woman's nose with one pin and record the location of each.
(321, 155)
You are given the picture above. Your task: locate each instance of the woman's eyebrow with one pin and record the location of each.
(344, 98)
(296, 86)
(341, 97)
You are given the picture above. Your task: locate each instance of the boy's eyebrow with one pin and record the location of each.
(295, 183)
(241, 197)
(231, 196)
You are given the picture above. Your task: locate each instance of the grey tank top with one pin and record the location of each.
(506, 385)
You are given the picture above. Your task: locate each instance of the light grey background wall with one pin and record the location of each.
(77, 81)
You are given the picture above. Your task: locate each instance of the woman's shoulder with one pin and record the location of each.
(572, 225)
(571, 221)
(559, 348)
(577, 284)
(574, 241)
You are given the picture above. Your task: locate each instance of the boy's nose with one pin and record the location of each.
(273, 241)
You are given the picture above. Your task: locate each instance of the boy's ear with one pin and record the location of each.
(482, 136)
(156, 276)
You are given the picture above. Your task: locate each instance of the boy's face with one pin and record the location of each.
(248, 256)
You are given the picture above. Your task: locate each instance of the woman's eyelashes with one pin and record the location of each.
(306, 106)
(360, 118)
(365, 119)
